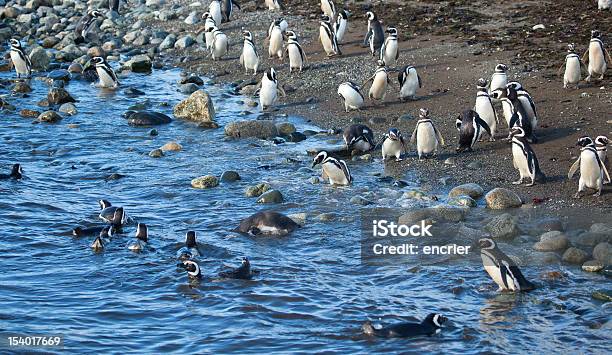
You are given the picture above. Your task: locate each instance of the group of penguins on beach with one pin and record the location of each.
(517, 104)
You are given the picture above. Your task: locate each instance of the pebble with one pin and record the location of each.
(205, 182)
(359, 200)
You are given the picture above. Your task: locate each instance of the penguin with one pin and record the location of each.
(282, 23)
(389, 52)
(341, 25)
(16, 173)
(106, 74)
(601, 145)
(597, 56)
(351, 96)
(484, 107)
(499, 79)
(379, 80)
(142, 237)
(471, 128)
(514, 111)
(274, 5)
(193, 269)
(431, 325)
(527, 102)
(190, 249)
(328, 38)
(393, 145)
(524, 158)
(425, 135)
(604, 4)
(328, 8)
(209, 23)
(249, 58)
(375, 37)
(267, 223)
(593, 173)
(269, 90)
(336, 171)
(220, 44)
(88, 231)
(573, 68)
(502, 269)
(227, 8)
(275, 37)
(243, 272)
(98, 244)
(358, 137)
(20, 59)
(297, 57)
(85, 25)
(107, 210)
(214, 9)
(409, 81)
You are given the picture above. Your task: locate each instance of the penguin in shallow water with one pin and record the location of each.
(389, 52)
(142, 238)
(16, 173)
(336, 171)
(601, 145)
(593, 172)
(220, 43)
(106, 74)
(275, 38)
(501, 268)
(89, 231)
(393, 145)
(429, 326)
(409, 81)
(85, 25)
(379, 80)
(597, 57)
(190, 249)
(267, 223)
(471, 129)
(351, 96)
(358, 137)
(209, 25)
(268, 93)
(375, 37)
(243, 272)
(499, 79)
(21, 61)
(573, 68)
(341, 25)
(249, 58)
(193, 269)
(297, 57)
(484, 107)
(227, 8)
(107, 210)
(328, 37)
(328, 8)
(524, 158)
(214, 9)
(99, 243)
(426, 136)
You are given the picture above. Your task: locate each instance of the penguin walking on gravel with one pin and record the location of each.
(501, 268)
(275, 38)
(389, 53)
(431, 325)
(359, 137)
(597, 57)
(328, 8)
(21, 61)
(426, 136)
(593, 172)
(379, 80)
(16, 173)
(409, 81)
(85, 25)
(227, 8)
(297, 57)
(514, 111)
(268, 93)
(341, 25)
(249, 58)
(214, 9)
(375, 37)
(220, 44)
(393, 145)
(573, 68)
(351, 95)
(328, 37)
(524, 158)
(484, 107)
(106, 74)
(209, 25)
(499, 79)
(336, 171)
(471, 129)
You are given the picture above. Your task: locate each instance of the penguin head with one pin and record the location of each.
(278, 22)
(392, 31)
(15, 43)
(190, 239)
(486, 243)
(247, 35)
(499, 94)
(104, 204)
(271, 75)
(343, 14)
(325, 18)
(98, 61)
(16, 171)
(571, 48)
(511, 93)
(291, 35)
(142, 232)
(435, 319)
(205, 16)
(77, 232)
(107, 232)
(212, 29)
(424, 113)
(119, 217)
(501, 68)
(394, 134)
(584, 141)
(517, 131)
(94, 13)
(380, 63)
(371, 15)
(319, 158)
(245, 262)
(515, 85)
(482, 83)
(98, 244)
(193, 269)
(602, 140)
(595, 34)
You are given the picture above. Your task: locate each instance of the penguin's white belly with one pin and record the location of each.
(495, 274)
(328, 46)
(520, 161)
(392, 147)
(21, 66)
(507, 109)
(249, 57)
(604, 4)
(410, 86)
(572, 71)
(267, 94)
(591, 174)
(390, 53)
(597, 63)
(106, 81)
(334, 174)
(486, 111)
(295, 58)
(341, 30)
(210, 38)
(219, 46)
(215, 11)
(426, 139)
(276, 43)
(352, 99)
(498, 81)
(529, 110)
(379, 86)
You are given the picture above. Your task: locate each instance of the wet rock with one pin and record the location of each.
(21, 87)
(315, 180)
(139, 64)
(326, 217)
(602, 295)
(603, 252)
(58, 96)
(168, 42)
(59, 74)
(359, 200)
(39, 58)
(415, 216)
(146, 118)
(188, 88)
(171, 147)
(552, 241)
(68, 108)
(550, 224)
(462, 200)
(114, 176)
(272, 196)
(205, 182)
(193, 79)
(448, 213)
(575, 256)
(593, 266)
(184, 42)
(414, 194)
(546, 258)
(285, 128)
(472, 190)
(296, 137)
(591, 239)
(49, 116)
(192, 18)
(69, 53)
(299, 218)
(501, 198)
(50, 42)
(197, 107)
(133, 92)
(263, 129)
(156, 153)
(230, 176)
(257, 190)
(96, 52)
(29, 113)
(153, 133)
(504, 226)
(75, 68)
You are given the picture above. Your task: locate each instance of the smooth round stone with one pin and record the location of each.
(59, 74)
(146, 118)
(230, 176)
(171, 147)
(272, 196)
(205, 182)
(156, 153)
(593, 266)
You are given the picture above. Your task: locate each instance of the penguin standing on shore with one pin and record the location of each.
(389, 52)
(527, 102)
(341, 25)
(597, 56)
(359, 137)
(106, 74)
(501, 268)
(431, 325)
(524, 158)
(426, 136)
(249, 58)
(333, 169)
(471, 128)
(268, 93)
(499, 79)
(409, 81)
(227, 8)
(220, 44)
(275, 38)
(297, 57)
(209, 25)
(484, 107)
(393, 145)
(520, 117)
(214, 9)
(375, 37)
(573, 68)
(328, 8)
(593, 172)
(601, 145)
(379, 80)
(328, 37)
(16, 173)
(21, 61)
(85, 25)
(351, 96)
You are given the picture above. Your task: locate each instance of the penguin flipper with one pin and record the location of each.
(281, 90)
(420, 83)
(439, 135)
(573, 169)
(605, 171)
(504, 272)
(585, 56)
(367, 37)
(484, 125)
(242, 59)
(607, 56)
(413, 137)
(367, 81)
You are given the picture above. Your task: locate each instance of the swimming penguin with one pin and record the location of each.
(501, 268)
(358, 137)
(379, 80)
(191, 248)
(88, 231)
(393, 145)
(375, 37)
(341, 25)
(425, 135)
(214, 9)
(499, 79)
(351, 96)
(243, 272)
(107, 210)
(267, 223)
(527, 102)
(227, 8)
(275, 37)
(601, 145)
(573, 68)
(220, 44)
(209, 23)
(524, 158)
(106, 74)
(249, 58)
(593, 173)
(193, 269)
(21, 61)
(328, 38)
(16, 173)
(484, 107)
(142, 237)
(98, 243)
(597, 56)
(328, 8)
(389, 52)
(409, 81)
(274, 5)
(297, 57)
(336, 171)
(429, 326)
(85, 25)
(471, 128)
(268, 93)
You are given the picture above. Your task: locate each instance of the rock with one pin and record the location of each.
(448, 213)
(171, 147)
(59, 74)
(192, 18)
(69, 53)
(500, 198)
(472, 190)
(257, 190)
(197, 107)
(146, 118)
(285, 128)
(21, 87)
(39, 58)
(591, 239)
(29, 113)
(296, 137)
(188, 88)
(96, 52)
(153, 133)
(139, 64)
(49, 116)
(326, 217)
(575, 256)
(450, 161)
(68, 108)
(184, 42)
(603, 252)
(50, 42)
(230, 176)
(205, 182)
(272, 196)
(462, 200)
(552, 241)
(504, 226)
(168, 42)
(58, 96)
(299, 218)
(75, 68)
(358, 200)
(474, 165)
(193, 79)
(593, 266)
(545, 258)
(602, 295)
(263, 129)
(156, 153)
(550, 224)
